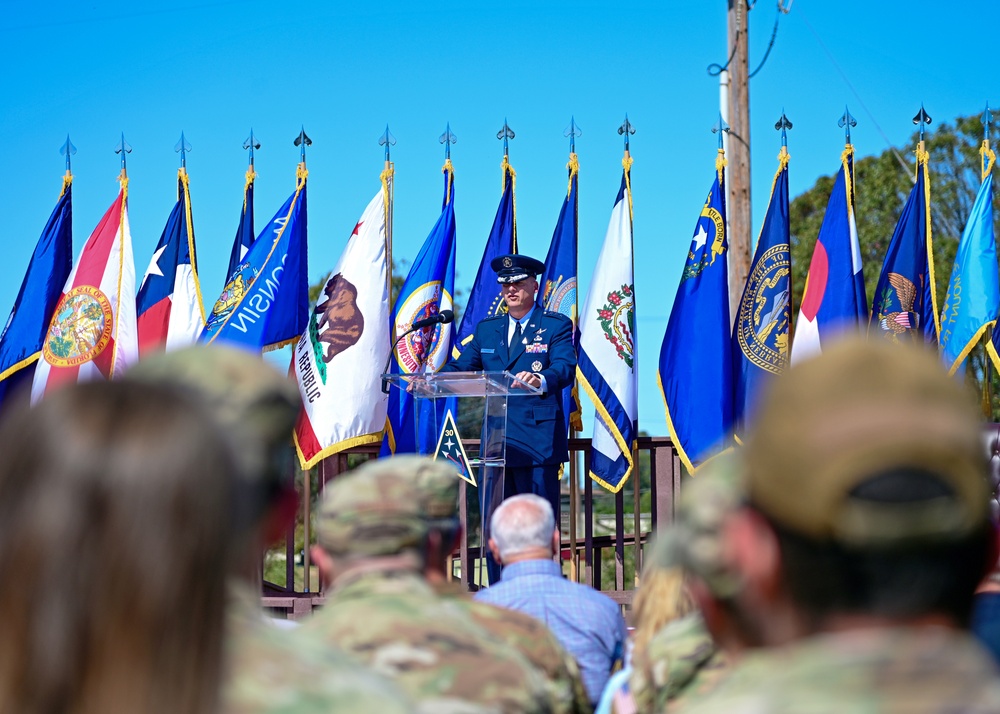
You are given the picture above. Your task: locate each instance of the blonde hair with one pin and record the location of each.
(662, 597)
(114, 502)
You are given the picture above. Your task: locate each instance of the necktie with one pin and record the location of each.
(517, 335)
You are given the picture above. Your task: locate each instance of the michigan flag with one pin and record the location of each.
(265, 304)
(24, 332)
(338, 360)
(92, 332)
(245, 232)
(834, 301)
(170, 309)
(760, 332)
(427, 291)
(607, 348)
(484, 298)
(973, 298)
(558, 283)
(695, 371)
(905, 305)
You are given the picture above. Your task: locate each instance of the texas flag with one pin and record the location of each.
(169, 305)
(92, 333)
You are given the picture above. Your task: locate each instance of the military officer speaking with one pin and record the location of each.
(536, 346)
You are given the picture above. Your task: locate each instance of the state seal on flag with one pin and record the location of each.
(422, 346)
(763, 317)
(80, 329)
(240, 281)
(560, 296)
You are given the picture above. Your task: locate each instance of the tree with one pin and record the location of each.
(882, 185)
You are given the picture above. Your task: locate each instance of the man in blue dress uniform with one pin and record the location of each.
(536, 346)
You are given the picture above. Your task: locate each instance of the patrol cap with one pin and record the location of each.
(380, 507)
(513, 267)
(439, 493)
(851, 417)
(252, 401)
(693, 540)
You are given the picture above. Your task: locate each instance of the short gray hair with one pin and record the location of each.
(521, 523)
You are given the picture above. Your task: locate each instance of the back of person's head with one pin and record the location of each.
(380, 509)
(114, 501)
(522, 524)
(867, 464)
(257, 405)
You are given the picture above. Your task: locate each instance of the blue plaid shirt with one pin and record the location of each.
(588, 624)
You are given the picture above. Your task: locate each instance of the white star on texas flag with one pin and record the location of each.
(154, 265)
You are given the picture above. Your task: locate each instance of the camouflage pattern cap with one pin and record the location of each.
(862, 410)
(380, 508)
(439, 493)
(693, 541)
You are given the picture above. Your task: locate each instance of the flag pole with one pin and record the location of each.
(572, 168)
(388, 172)
(302, 141)
(67, 150)
(626, 130)
(987, 158)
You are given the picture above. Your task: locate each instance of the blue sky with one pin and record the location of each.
(214, 69)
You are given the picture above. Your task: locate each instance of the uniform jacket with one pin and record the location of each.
(536, 428)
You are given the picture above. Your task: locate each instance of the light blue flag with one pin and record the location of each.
(42, 287)
(760, 333)
(695, 371)
(973, 298)
(484, 298)
(265, 304)
(427, 291)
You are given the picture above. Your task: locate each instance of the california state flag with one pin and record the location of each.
(338, 361)
(92, 333)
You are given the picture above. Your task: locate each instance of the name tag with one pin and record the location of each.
(485, 351)
(535, 348)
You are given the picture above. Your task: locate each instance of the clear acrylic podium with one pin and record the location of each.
(494, 388)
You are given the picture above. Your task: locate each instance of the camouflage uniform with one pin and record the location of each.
(382, 610)
(826, 428)
(275, 671)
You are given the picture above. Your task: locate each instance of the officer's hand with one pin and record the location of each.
(530, 379)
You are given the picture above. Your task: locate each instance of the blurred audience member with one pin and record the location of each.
(986, 613)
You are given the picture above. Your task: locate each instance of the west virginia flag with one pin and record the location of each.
(558, 283)
(265, 304)
(92, 332)
(973, 298)
(760, 332)
(338, 360)
(905, 306)
(427, 291)
(484, 298)
(607, 348)
(169, 306)
(695, 371)
(834, 301)
(23, 335)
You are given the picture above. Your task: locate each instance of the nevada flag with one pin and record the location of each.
(169, 305)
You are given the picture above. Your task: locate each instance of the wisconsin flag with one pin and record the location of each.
(834, 301)
(170, 310)
(92, 332)
(245, 232)
(760, 332)
(338, 360)
(558, 283)
(25, 329)
(427, 291)
(607, 348)
(905, 306)
(265, 304)
(973, 298)
(484, 298)
(695, 371)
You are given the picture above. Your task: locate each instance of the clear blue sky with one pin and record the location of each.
(344, 70)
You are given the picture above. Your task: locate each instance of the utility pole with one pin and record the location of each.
(738, 153)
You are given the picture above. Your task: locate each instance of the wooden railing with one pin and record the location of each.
(586, 513)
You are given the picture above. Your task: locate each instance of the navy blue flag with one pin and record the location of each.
(42, 287)
(557, 285)
(760, 332)
(245, 232)
(904, 306)
(485, 299)
(695, 371)
(427, 291)
(265, 304)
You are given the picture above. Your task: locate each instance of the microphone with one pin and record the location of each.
(444, 317)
